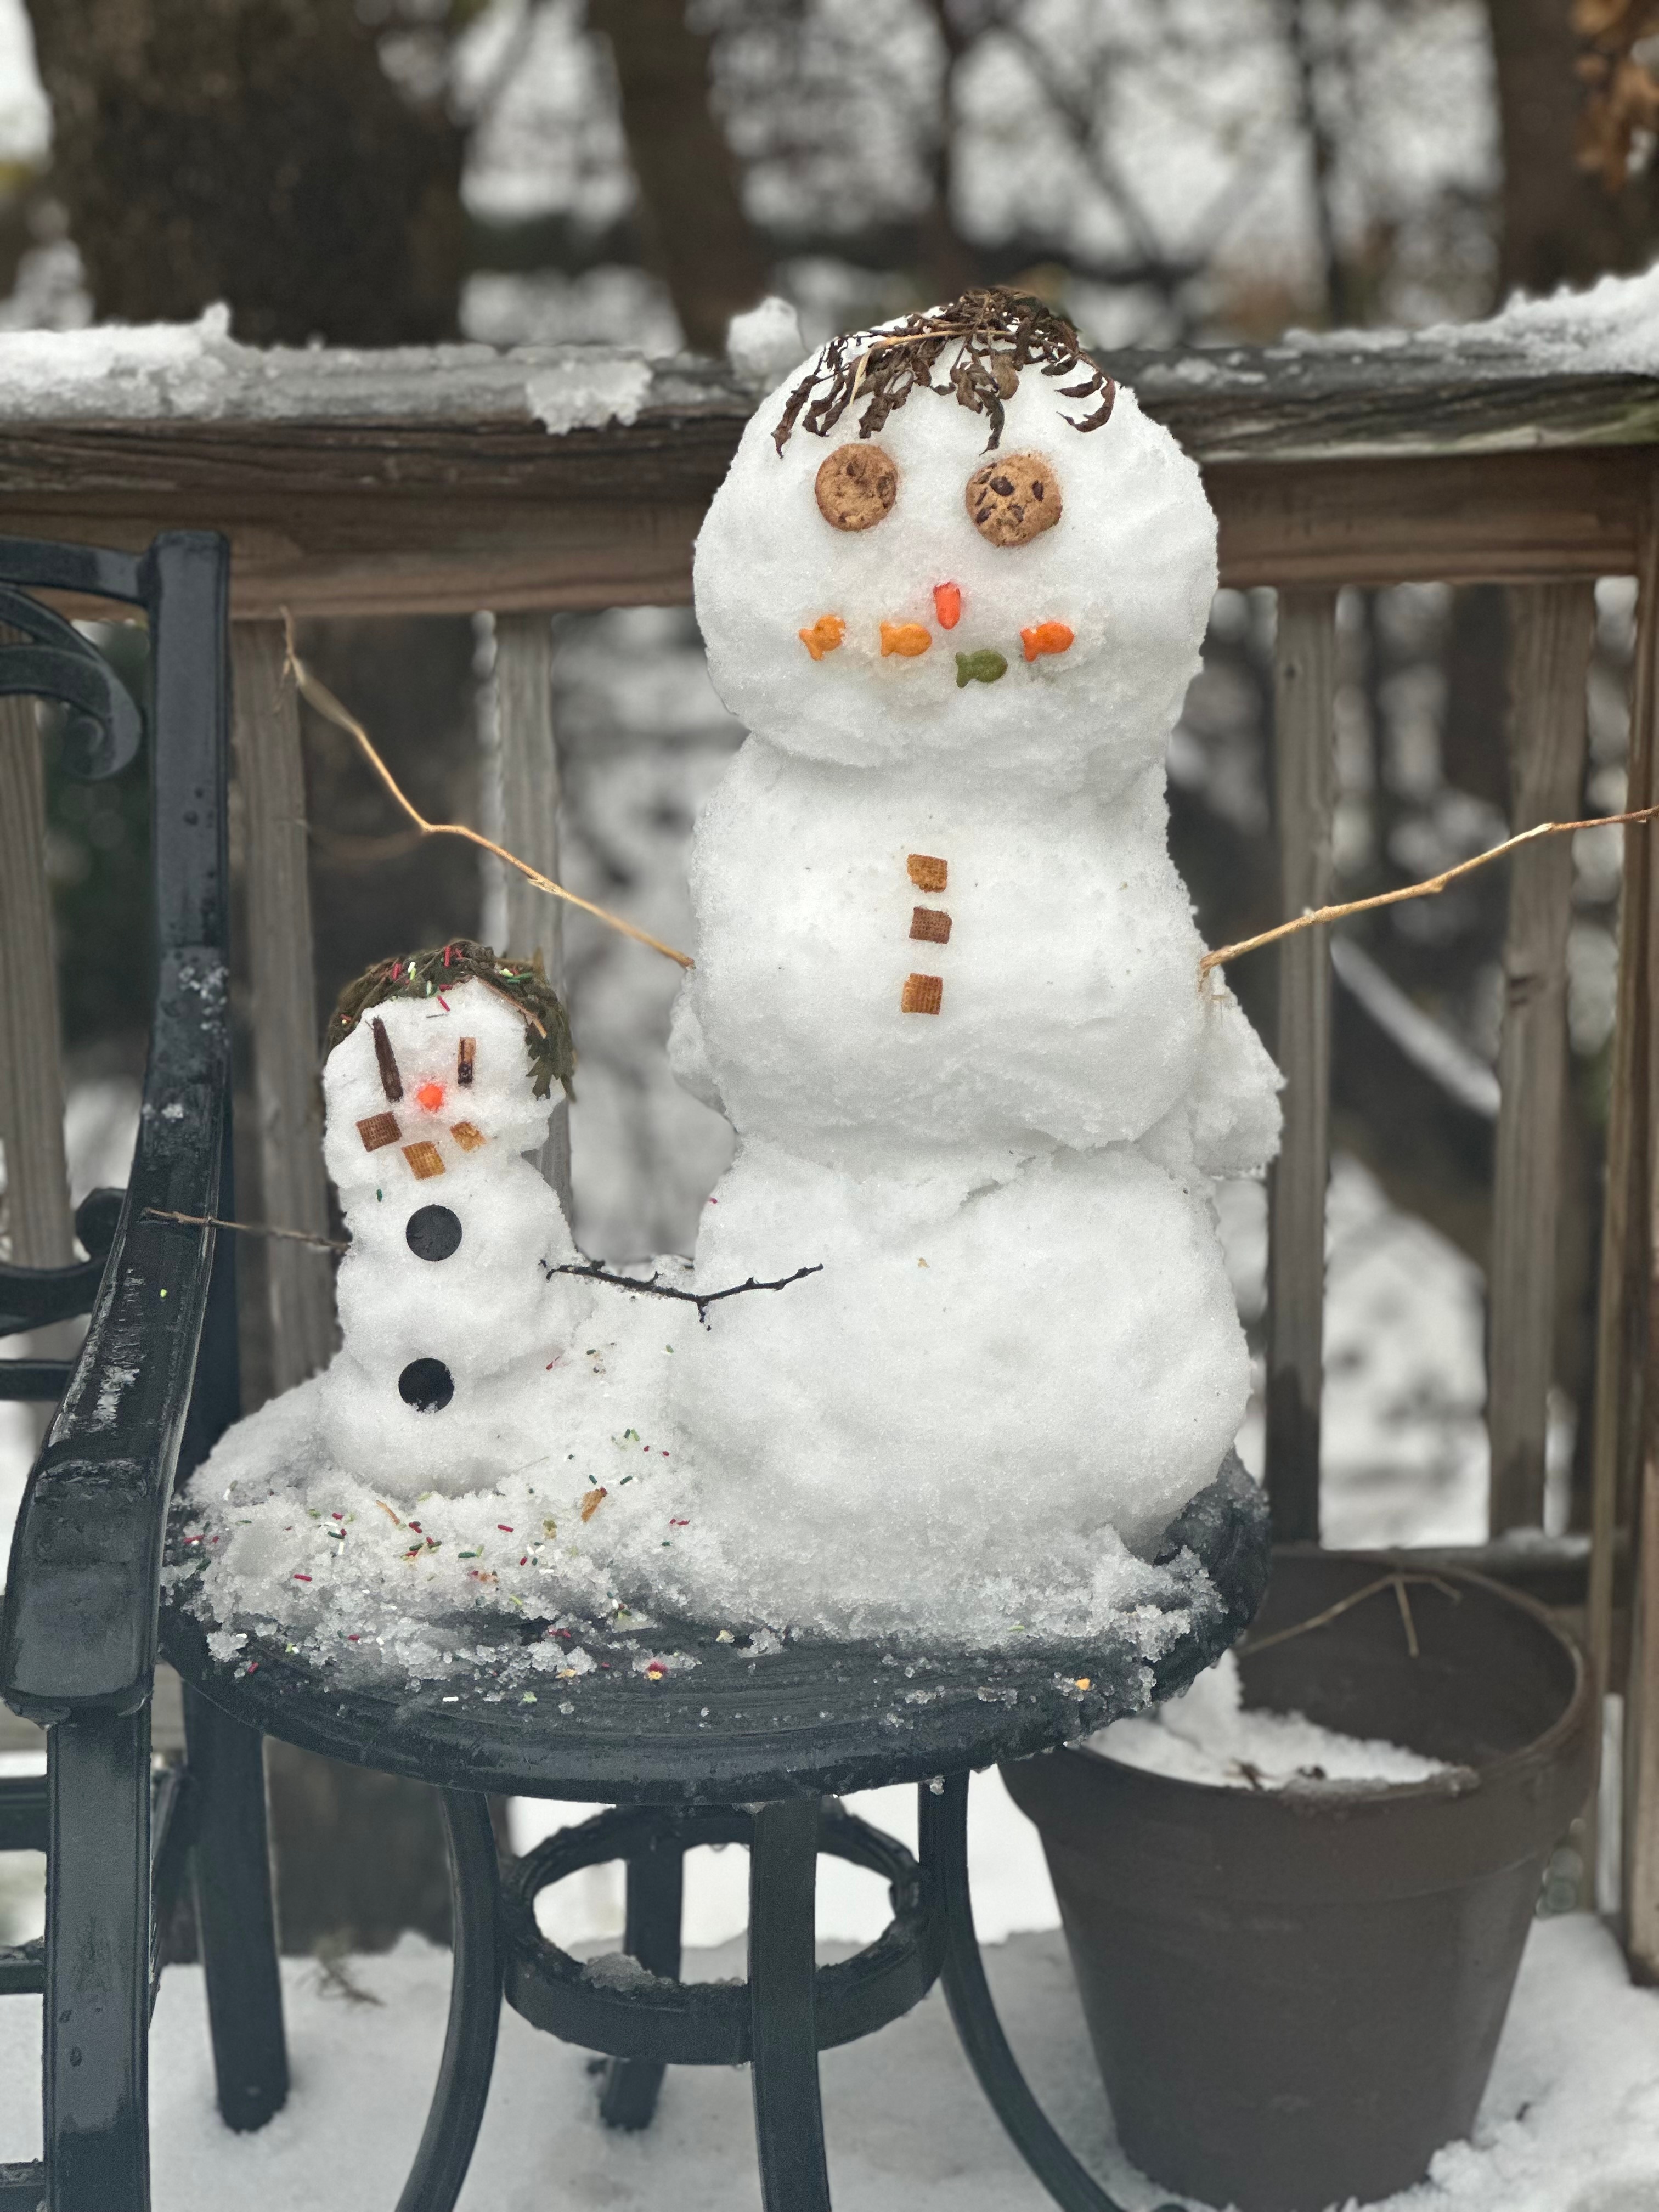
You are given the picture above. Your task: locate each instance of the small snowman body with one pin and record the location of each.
(947, 990)
(446, 1306)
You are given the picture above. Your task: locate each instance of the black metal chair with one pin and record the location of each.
(752, 1747)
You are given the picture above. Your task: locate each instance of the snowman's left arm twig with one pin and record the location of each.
(700, 1299)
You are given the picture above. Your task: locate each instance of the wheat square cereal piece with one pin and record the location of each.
(926, 873)
(377, 1130)
(425, 1159)
(931, 924)
(923, 995)
(467, 1136)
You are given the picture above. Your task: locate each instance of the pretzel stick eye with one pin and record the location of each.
(391, 1081)
(463, 1060)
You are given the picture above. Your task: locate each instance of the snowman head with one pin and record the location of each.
(440, 1066)
(928, 546)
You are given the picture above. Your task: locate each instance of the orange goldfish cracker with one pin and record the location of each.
(947, 605)
(825, 635)
(1046, 637)
(908, 640)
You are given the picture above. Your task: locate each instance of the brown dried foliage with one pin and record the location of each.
(995, 335)
(1621, 91)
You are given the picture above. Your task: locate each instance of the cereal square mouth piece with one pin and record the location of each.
(377, 1130)
(922, 994)
(425, 1159)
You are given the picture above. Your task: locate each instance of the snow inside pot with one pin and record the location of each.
(1294, 1976)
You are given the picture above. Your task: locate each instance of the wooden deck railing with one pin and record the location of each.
(425, 483)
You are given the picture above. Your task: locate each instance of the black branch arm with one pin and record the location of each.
(83, 1593)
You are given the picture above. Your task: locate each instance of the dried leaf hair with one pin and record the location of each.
(995, 333)
(522, 983)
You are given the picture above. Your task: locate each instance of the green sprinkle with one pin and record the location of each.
(164, 1294)
(466, 1555)
(982, 667)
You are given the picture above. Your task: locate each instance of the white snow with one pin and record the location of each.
(1566, 2125)
(153, 371)
(1208, 1735)
(765, 343)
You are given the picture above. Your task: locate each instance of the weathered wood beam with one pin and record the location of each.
(31, 1055)
(1551, 629)
(269, 770)
(428, 517)
(1304, 666)
(529, 756)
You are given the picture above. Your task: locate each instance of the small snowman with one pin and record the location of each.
(947, 991)
(436, 1083)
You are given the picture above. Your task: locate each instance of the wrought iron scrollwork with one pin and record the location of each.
(52, 660)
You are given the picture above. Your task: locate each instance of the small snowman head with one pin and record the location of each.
(950, 538)
(436, 1063)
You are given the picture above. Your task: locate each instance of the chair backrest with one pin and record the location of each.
(155, 1380)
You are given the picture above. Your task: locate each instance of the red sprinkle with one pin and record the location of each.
(501, 1525)
(353, 1639)
(416, 1527)
(302, 1578)
(680, 1524)
(337, 1516)
(253, 1666)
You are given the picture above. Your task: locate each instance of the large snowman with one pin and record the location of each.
(947, 991)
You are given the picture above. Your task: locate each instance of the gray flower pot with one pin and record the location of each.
(1294, 1996)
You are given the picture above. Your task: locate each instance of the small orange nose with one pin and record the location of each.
(431, 1096)
(947, 605)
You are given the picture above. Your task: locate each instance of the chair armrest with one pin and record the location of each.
(79, 1626)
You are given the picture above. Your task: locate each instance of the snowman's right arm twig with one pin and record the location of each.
(698, 1298)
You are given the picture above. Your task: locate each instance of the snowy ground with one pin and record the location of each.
(1568, 2124)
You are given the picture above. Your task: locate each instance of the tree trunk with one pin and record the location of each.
(255, 152)
(696, 235)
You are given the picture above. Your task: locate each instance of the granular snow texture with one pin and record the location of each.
(1568, 2124)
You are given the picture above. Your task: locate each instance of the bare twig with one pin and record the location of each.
(317, 694)
(1428, 889)
(700, 1299)
(1396, 1583)
(247, 1228)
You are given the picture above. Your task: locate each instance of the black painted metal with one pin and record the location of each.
(944, 1838)
(708, 2023)
(103, 726)
(22, 2185)
(783, 1861)
(30, 1298)
(22, 1968)
(651, 1935)
(475, 2010)
(98, 1937)
(236, 1927)
(41, 1381)
(79, 1627)
(23, 1813)
(170, 1818)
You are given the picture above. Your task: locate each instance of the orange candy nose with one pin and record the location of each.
(825, 635)
(1046, 637)
(906, 639)
(947, 605)
(431, 1096)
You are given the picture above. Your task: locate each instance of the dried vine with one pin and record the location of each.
(654, 1289)
(996, 334)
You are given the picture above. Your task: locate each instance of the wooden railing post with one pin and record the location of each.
(529, 756)
(1551, 629)
(1305, 775)
(30, 1053)
(270, 768)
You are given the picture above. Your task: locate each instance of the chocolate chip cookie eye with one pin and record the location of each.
(856, 486)
(1013, 498)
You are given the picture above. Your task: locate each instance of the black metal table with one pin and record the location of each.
(751, 1746)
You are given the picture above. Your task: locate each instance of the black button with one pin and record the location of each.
(433, 1232)
(426, 1384)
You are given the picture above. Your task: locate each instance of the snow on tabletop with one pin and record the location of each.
(1566, 2125)
(1207, 1735)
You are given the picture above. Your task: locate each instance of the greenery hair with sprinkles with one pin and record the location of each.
(996, 334)
(522, 983)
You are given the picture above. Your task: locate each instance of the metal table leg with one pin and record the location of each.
(788, 2111)
(944, 1827)
(656, 1887)
(475, 2010)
